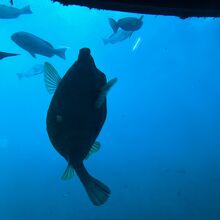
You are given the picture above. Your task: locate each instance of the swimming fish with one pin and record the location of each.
(35, 70)
(5, 54)
(118, 36)
(35, 45)
(127, 24)
(11, 12)
(75, 118)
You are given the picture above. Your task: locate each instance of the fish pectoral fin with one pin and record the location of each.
(68, 173)
(104, 90)
(51, 78)
(95, 148)
(113, 24)
(33, 55)
(141, 17)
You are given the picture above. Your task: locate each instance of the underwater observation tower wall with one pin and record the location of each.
(180, 8)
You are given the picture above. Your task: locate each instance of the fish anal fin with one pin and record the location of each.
(51, 78)
(68, 173)
(33, 55)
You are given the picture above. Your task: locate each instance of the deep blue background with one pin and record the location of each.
(161, 141)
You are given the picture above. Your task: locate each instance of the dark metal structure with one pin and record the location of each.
(180, 8)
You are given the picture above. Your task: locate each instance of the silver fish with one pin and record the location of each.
(35, 70)
(11, 12)
(118, 36)
(35, 45)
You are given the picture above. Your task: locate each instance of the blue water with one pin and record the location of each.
(161, 140)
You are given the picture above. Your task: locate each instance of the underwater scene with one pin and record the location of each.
(108, 115)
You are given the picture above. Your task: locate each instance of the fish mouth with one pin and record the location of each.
(13, 37)
(84, 54)
(16, 36)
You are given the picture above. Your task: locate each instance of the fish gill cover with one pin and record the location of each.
(158, 150)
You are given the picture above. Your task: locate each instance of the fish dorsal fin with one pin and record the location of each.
(68, 173)
(48, 44)
(113, 24)
(95, 147)
(44, 41)
(104, 90)
(51, 77)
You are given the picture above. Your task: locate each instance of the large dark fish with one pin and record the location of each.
(75, 118)
(35, 45)
(5, 54)
(11, 12)
(127, 24)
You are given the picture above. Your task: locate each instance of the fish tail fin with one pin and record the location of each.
(97, 191)
(26, 10)
(19, 75)
(105, 41)
(113, 24)
(61, 52)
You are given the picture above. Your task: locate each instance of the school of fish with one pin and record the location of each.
(78, 108)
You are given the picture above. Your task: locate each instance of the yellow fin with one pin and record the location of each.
(51, 77)
(95, 147)
(68, 173)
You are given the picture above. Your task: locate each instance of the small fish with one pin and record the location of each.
(127, 24)
(5, 54)
(67, 194)
(118, 36)
(35, 70)
(35, 45)
(11, 12)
